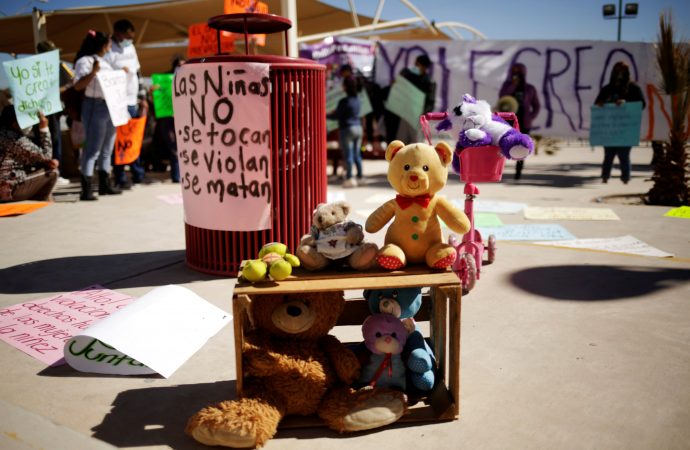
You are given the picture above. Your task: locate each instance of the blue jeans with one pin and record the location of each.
(100, 136)
(350, 139)
(610, 154)
(135, 166)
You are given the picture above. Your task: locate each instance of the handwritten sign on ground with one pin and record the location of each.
(564, 213)
(128, 140)
(114, 86)
(487, 220)
(41, 327)
(223, 126)
(495, 206)
(520, 232)
(158, 332)
(35, 85)
(203, 41)
(406, 101)
(162, 95)
(623, 244)
(616, 125)
(682, 212)
(16, 209)
(170, 199)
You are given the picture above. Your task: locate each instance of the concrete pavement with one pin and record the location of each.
(561, 348)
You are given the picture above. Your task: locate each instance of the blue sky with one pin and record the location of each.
(498, 19)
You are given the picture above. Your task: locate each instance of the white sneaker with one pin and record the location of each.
(62, 181)
(350, 183)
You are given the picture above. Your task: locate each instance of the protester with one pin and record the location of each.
(419, 76)
(525, 94)
(65, 80)
(98, 127)
(619, 90)
(349, 131)
(27, 171)
(165, 132)
(123, 55)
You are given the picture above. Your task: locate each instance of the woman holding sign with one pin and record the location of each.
(619, 90)
(99, 129)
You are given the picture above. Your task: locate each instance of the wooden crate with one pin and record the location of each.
(440, 307)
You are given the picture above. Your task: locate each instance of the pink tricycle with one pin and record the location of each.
(476, 165)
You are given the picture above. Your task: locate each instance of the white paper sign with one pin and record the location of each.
(623, 244)
(155, 334)
(565, 213)
(114, 86)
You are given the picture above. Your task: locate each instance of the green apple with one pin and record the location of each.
(292, 259)
(280, 270)
(255, 270)
(273, 247)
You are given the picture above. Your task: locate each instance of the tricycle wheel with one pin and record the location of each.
(469, 273)
(491, 248)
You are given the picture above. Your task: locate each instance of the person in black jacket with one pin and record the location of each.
(619, 90)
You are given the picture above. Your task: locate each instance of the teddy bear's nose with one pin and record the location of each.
(414, 177)
(388, 339)
(294, 311)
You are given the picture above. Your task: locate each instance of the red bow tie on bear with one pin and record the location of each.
(405, 202)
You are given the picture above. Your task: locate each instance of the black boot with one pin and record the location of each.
(104, 186)
(86, 193)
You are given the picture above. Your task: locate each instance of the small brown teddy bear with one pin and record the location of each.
(333, 239)
(417, 172)
(292, 366)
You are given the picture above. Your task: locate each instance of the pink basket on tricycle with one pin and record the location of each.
(477, 164)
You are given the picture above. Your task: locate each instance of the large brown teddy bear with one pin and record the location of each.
(292, 366)
(417, 172)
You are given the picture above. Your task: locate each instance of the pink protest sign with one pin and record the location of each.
(40, 328)
(223, 127)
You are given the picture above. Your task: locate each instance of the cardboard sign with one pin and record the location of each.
(623, 244)
(565, 213)
(203, 41)
(682, 212)
(16, 209)
(35, 86)
(41, 327)
(157, 333)
(247, 6)
(223, 128)
(406, 101)
(114, 86)
(616, 125)
(520, 232)
(128, 141)
(162, 95)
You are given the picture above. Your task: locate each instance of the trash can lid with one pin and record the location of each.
(255, 23)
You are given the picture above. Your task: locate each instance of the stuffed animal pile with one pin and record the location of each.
(417, 172)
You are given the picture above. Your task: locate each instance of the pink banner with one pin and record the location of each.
(223, 126)
(40, 328)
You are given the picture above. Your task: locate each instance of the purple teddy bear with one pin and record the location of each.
(479, 127)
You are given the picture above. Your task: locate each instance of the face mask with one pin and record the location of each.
(416, 70)
(126, 43)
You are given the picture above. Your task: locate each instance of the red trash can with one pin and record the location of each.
(297, 152)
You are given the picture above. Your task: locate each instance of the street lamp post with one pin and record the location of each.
(609, 11)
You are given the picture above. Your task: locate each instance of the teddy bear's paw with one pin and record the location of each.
(519, 152)
(378, 409)
(245, 423)
(445, 262)
(389, 262)
(423, 381)
(419, 361)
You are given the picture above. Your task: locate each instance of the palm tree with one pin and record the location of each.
(672, 163)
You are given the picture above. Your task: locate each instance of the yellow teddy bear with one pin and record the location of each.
(417, 172)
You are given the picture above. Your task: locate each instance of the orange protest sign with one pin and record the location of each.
(128, 141)
(203, 41)
(247, 6)
(15, 209)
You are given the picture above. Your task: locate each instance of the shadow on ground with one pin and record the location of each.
(158, 415)
(597, 282)
(112, 271)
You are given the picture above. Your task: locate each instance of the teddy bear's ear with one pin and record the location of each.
(444, 152)
(392, 149)
(345, 206)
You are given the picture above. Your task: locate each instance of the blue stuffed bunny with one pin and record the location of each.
(404, 303)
